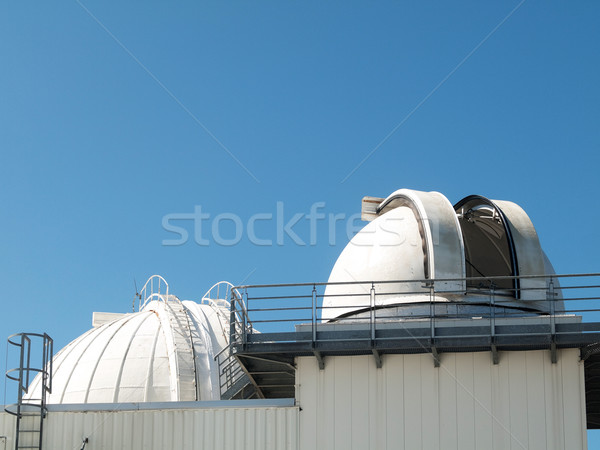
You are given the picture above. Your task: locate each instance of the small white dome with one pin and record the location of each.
(165, 352)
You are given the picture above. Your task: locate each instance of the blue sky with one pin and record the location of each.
(114, 115)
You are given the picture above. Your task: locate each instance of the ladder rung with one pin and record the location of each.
(29, 431)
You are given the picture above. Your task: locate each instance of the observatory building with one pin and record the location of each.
(164, 352)
(440, 326)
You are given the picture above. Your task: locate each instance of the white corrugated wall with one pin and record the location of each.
(210, 428)
(525, 402)
(7, 430)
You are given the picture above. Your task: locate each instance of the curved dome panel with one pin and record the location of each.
(163, 353)
(441, 234)
(388, 248)
(530, 258)
(209, 332)
(416, 236)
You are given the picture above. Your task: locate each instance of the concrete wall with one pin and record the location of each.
(524, 402)
(210, 428)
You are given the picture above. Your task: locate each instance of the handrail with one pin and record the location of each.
(420, 280)
(154, 285)
(294, 312)
(226, 285)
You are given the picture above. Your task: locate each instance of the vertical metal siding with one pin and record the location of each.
(467, 403)
(7, 429)
(250, 428)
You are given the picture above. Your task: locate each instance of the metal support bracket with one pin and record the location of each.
(378, 360)
(320, 359)
(495, 355)
(436, 357)
(553, 356)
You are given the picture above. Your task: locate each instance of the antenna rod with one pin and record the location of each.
(135, 296)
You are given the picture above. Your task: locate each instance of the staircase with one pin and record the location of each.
(234, 383)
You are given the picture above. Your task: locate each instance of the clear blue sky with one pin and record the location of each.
(114, 115)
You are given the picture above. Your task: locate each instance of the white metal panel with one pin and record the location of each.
(411, 378)
(575, 421)
(482, 392)
(368, 210)
(377, 397)
(325, 438)
(343, 409)
(264, 428)
(465, 421)
(307, 388)
(7, 429)
(500, 412)
(535, 395)
(359, 419)
(448, 430)
(430, 403)
(394, 407)
(517, 397)
(100, 318)
(525, 401)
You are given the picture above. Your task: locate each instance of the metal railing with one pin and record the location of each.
(555, 308)
(155, 288)
(232, 378)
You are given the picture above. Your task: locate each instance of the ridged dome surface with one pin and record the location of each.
(165, 352)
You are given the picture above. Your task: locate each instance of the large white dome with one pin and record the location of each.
(417, 239)
(165, 352)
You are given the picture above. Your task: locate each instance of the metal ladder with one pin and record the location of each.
(177, 321)
(184, 347)
(30, 412)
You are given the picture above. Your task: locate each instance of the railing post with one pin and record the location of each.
(314, 314)
(495, 358)
(244, 318)
(550, 295)
(232, 321)
(432, 311)
(372, 313)
(372, 321)
(492, 313)
(315, 350)
(20, 387)
(551, 299)
(434, 352)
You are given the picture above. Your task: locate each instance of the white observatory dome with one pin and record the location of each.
(164, 352)
(419, 237)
